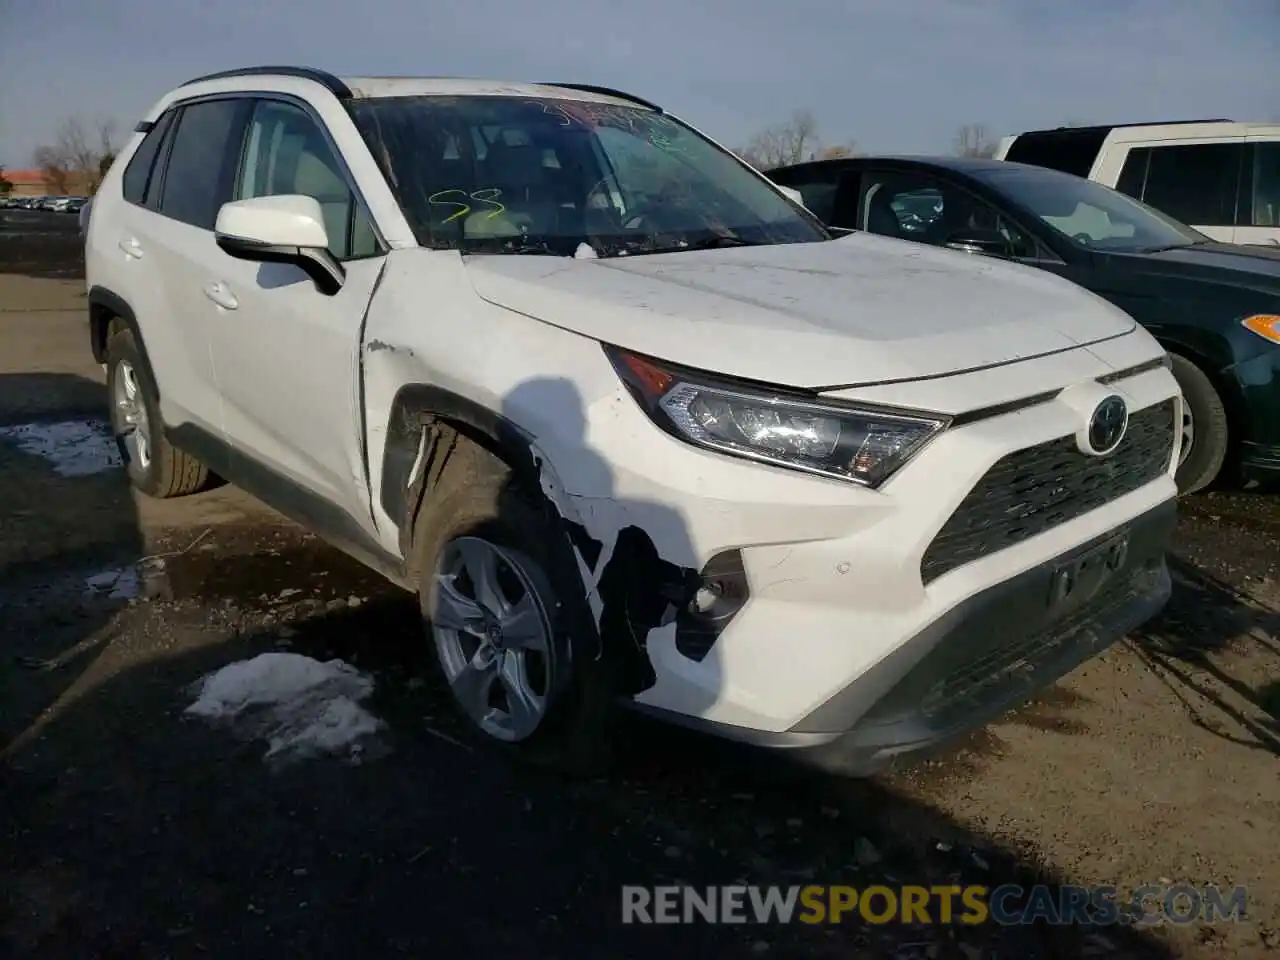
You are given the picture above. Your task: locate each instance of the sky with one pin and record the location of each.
(891, 75)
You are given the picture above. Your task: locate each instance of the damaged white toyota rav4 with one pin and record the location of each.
(632, 423)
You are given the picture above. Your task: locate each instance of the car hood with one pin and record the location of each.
(1254, 267)
(861, 309)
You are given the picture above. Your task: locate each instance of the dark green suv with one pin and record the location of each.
(1214, 306)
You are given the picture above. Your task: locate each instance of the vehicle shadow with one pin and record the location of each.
(69, 540)
(1207, 617)
(133, 833)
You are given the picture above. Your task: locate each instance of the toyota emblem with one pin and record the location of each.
(1107, 425)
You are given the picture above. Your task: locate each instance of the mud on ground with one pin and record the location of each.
(127, 829)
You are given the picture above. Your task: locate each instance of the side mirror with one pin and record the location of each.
(282, 229)
(991, 243)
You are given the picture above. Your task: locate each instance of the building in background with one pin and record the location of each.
(37, 183)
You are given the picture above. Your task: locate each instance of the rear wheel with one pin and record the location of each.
(155, 467)
(1204, 428)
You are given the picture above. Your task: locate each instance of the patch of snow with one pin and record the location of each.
(585, 252)
(121, 584)
(300, 707)
(76, 448)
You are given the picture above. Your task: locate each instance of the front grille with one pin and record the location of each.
(1033, 490)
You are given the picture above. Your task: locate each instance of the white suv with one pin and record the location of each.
(1219, 176)
(633, 423)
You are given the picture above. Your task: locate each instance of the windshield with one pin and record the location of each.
(498, 174)
(1092, 215)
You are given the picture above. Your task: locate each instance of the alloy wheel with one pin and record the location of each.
(132, 427)
(1188, 434)
(493, 636)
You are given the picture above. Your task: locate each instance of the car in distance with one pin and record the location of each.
(1214, 306)
(633, 424)
(1220, 176)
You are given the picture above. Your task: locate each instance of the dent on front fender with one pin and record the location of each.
(522, 388)
(635, 572)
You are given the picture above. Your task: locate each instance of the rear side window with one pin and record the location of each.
(1195, 183)
(198, 176)
(1070, 151)
(137, 175)
(1133, 176)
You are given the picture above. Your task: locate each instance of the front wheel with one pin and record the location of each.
(1204, 428)
(507, 616)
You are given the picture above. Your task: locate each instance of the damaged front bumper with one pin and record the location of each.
(987, 655)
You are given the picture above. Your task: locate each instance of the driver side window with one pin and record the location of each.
(286, 152)
(912, 206)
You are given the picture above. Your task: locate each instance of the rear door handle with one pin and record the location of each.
(219, 294)
(132, 248)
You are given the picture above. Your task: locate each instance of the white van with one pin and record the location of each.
(1219, 176)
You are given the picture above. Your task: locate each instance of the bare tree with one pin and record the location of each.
(77, 156)
(975, 140)
(783, 143)
(793, 141)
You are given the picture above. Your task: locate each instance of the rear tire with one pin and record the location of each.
(1206, 429)
(477, 510)
(155, 466)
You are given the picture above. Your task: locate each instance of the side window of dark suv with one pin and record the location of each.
(817, 186)
(201, 167)
(916, 206)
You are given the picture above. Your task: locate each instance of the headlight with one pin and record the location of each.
(1265, 325)
(863, 445)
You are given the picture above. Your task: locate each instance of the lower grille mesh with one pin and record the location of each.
(1033, 490)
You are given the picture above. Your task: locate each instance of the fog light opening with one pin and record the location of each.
(722, 591)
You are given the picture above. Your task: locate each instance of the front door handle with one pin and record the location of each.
(219, 294)
(132, 248)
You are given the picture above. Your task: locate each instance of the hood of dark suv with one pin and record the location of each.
(1251, 267)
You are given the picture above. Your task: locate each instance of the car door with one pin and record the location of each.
(1259, 220)
(165, 234)
(288, 355)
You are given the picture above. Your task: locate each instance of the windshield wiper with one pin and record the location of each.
(513, 246)
(1174, 246)
(723, 240)
(646, 248)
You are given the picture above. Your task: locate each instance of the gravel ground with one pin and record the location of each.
(129, 830)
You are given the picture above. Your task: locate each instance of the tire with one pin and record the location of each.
(163, 472)
(477, 506)
(1202, 463)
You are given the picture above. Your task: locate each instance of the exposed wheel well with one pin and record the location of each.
(102, 324)
(421, 416)
(109, 312)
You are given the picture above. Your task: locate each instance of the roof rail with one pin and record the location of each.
(322, 77)
(607, 92)
(1123, 126)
